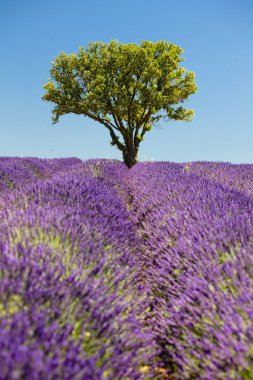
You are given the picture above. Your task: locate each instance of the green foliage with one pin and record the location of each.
(13, 304)
(126, 87)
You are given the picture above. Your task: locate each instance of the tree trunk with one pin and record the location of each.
(130, 156)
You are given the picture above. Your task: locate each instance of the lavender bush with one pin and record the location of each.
(111, 273)
(196, 237)
(71, 304)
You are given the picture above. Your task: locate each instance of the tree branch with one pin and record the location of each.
(109, 126)
(129, 108)
(114, 116)
(106, 123)
(122, 130)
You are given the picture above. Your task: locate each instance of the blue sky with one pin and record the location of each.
(217, 38)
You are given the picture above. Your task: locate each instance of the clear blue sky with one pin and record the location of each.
(217, 38)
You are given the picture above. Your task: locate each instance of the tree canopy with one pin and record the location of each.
(127, 88)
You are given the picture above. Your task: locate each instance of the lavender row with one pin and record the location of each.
(197, 250)
(71, 303)
(234, 176)
(16, 172)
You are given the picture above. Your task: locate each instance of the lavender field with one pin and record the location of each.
(111, 273)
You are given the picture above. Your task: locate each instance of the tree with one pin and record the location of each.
(125, 87)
